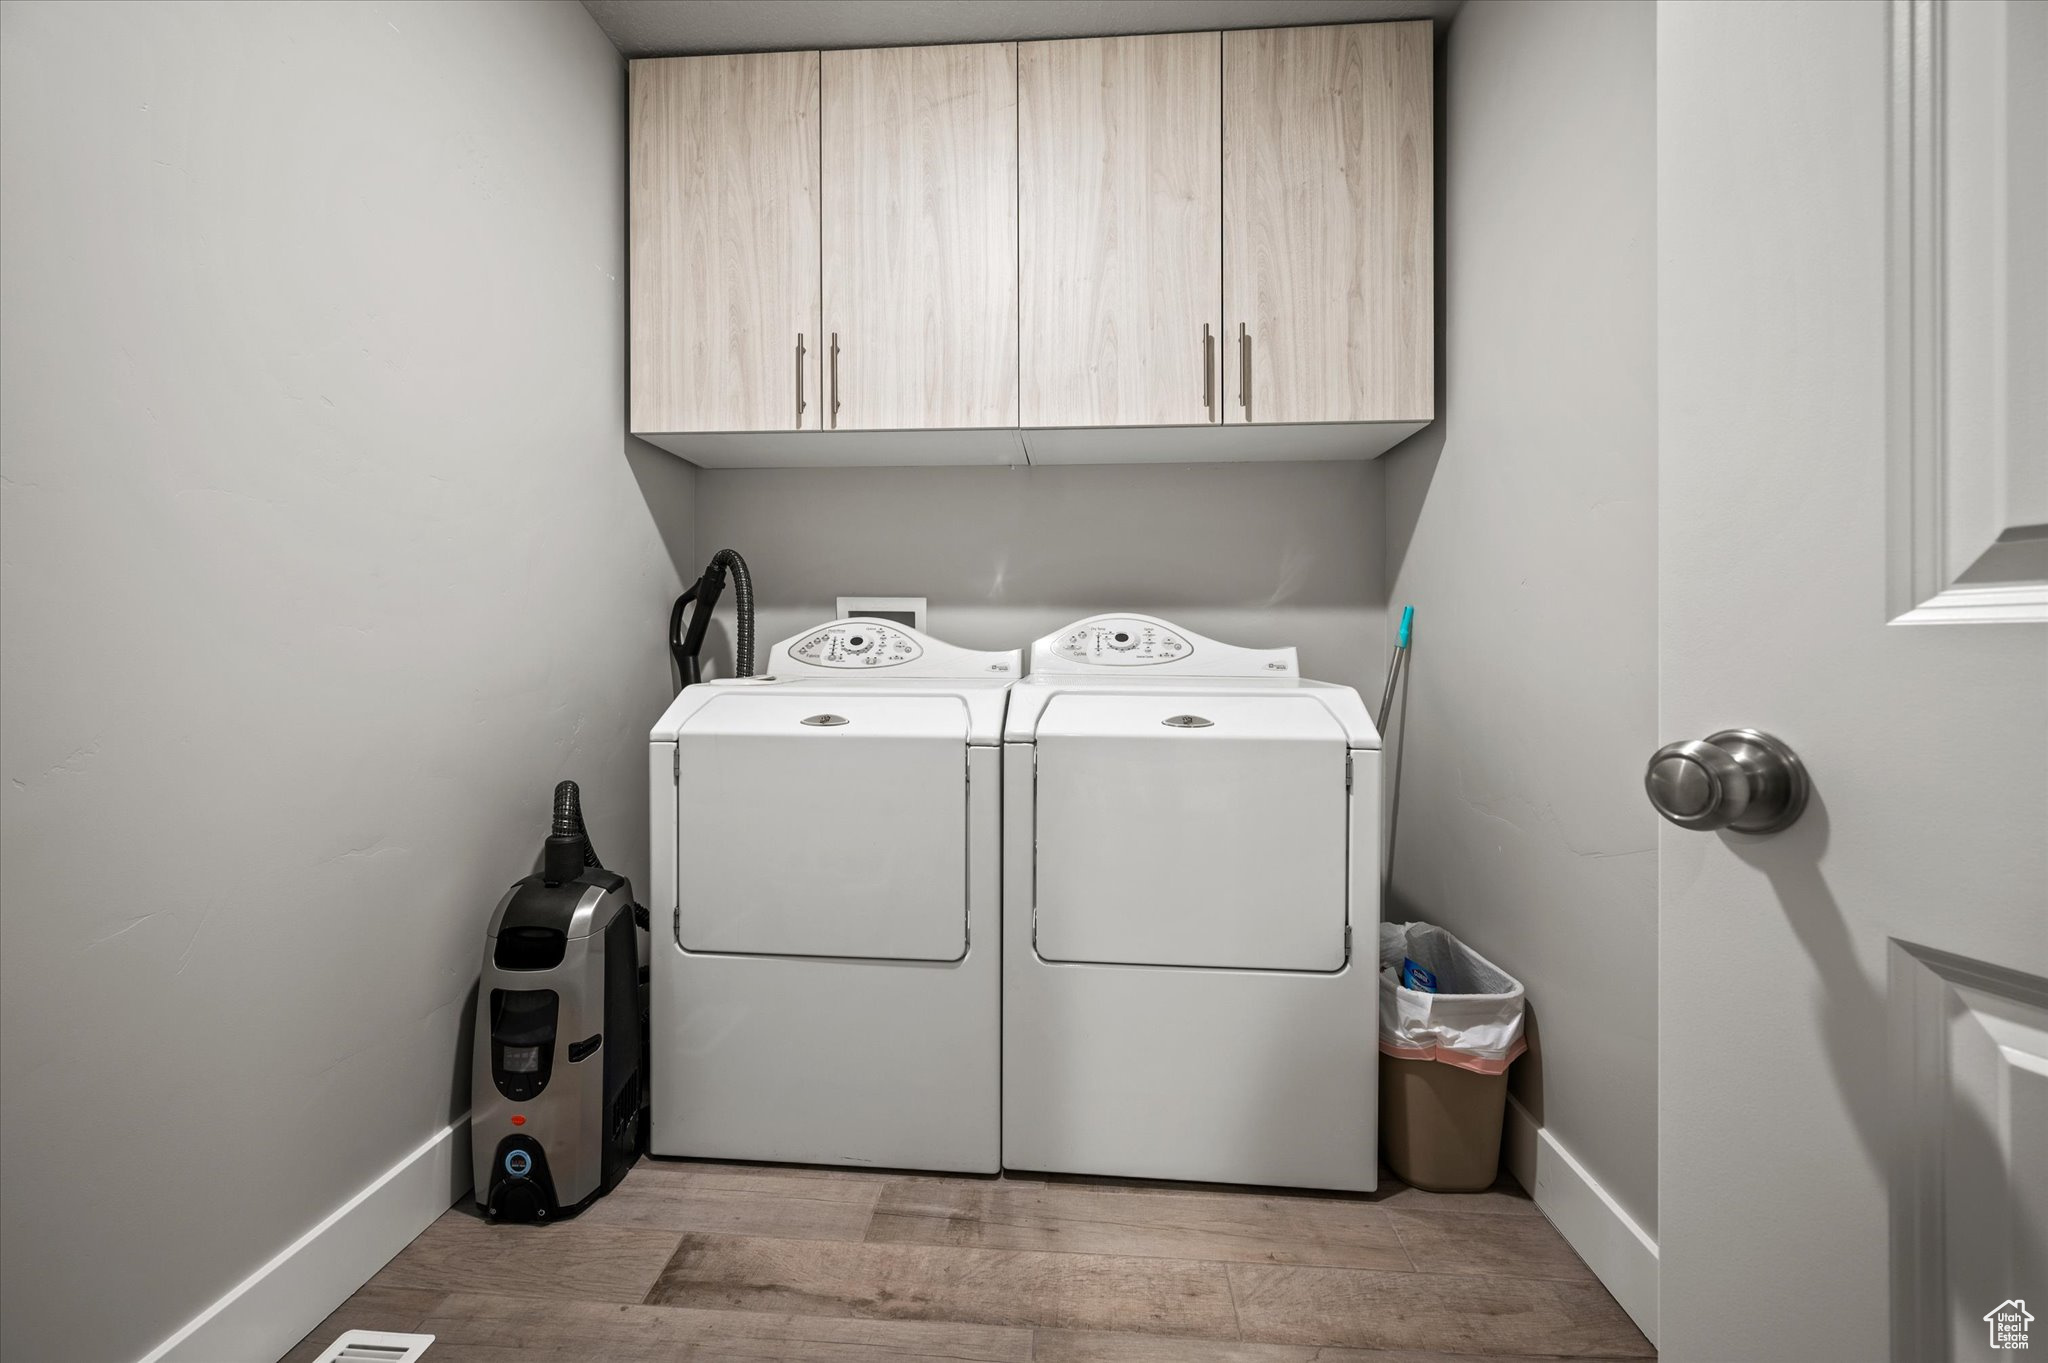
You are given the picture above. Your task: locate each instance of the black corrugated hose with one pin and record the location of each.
(568, 846)
(569, 821)
(743, 610)
(684, 648)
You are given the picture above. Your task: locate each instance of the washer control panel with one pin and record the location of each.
(857, 644)
(1118, 641)
(1121, 640)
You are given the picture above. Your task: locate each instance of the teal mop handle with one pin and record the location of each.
(1394, 667)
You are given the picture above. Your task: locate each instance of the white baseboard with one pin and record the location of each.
(1611, 1243)
(272, 1309)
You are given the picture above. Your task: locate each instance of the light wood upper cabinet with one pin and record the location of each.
(1327, 211)
(1119, 172)
(986, 253)
(724, 231)
(920, 236)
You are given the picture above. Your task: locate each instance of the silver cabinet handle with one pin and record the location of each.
(835, 381)
(799, 380)
(1244, 370)
(1738, 778)
(1208, 372)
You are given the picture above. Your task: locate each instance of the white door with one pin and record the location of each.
(1853, 1108)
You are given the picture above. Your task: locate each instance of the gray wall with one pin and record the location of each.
(1523, 528)
(1254, 554)
(325, 556)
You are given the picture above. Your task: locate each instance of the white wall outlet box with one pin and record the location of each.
(900, 610)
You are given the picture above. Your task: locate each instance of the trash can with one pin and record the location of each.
(1450, 1025)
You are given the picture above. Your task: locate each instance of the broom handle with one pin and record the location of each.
(1394, 668)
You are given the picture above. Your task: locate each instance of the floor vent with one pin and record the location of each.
(375, 1346)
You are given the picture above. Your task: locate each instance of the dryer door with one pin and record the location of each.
(811, 823)
(1191, 830)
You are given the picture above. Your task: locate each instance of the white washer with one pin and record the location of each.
(827, 893)
(1191, 891)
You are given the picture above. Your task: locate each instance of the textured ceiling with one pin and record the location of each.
(654, 28)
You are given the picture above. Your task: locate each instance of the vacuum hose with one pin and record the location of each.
(568, 848)
(569, 821)
(568, 852)
(743, 610)
(683, 647)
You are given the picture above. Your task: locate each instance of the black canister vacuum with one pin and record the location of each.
(557, 1076)
(555, 1088)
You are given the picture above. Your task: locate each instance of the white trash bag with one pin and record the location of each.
(1473, 1020)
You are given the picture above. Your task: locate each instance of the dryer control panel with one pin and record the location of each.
(857, 644)
(1119, 641)
(1147, 646)
(863, 646)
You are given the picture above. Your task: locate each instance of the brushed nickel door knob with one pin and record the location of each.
(1739, 778)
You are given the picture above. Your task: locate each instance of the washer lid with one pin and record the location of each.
(815, 822)
(782, 711)
(1031, 700)
(1188, 829)
(709, 706)
(1198, 713)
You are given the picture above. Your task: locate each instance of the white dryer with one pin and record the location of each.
(826, 878)
(1191, 878)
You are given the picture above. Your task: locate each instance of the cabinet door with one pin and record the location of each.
(920, 230)
(1328, 263)
(1120, 194)
(724, 167)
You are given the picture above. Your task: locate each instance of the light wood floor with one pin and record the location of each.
(717, 1263)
